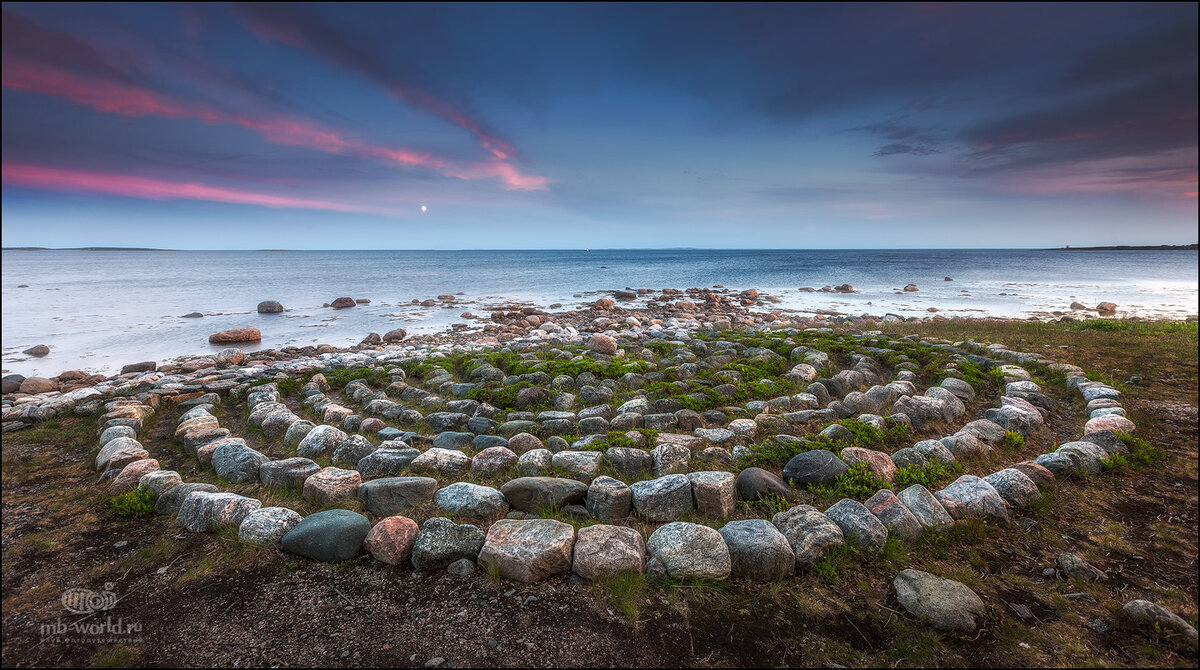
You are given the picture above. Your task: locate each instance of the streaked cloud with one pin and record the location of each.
(131, 186)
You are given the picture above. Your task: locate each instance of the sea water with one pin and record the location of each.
(98, 310)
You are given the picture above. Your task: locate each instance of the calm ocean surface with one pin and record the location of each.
(99, 310)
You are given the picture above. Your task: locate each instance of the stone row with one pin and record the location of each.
(534, 548)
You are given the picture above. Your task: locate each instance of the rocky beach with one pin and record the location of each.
(159, 307)
(652, 312)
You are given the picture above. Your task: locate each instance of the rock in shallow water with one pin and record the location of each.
(235, 335)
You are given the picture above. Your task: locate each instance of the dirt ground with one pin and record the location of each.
(206, 600)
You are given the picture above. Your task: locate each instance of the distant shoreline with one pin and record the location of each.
(84, 249)
(1159, 247)
(1125, 247)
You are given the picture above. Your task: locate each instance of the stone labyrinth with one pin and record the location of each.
(743, 455)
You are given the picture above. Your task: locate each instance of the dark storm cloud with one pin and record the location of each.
(1154, 116)
(901, 148)
(903, 138)
(1169, 49)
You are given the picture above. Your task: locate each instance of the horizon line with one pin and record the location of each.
(589, 249)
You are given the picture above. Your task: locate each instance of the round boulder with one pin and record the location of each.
(946, 604)
(681, 550)
(602, 344)
(391, 541)
(37, 385)
(266, 526)
(472, 500)
(607, 551)
(528, 550)
(757, 550)
(331, 536)
(441, 542)
(818, 467)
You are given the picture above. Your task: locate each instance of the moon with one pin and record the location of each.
(424, 209)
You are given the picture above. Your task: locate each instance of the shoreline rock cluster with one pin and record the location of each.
(530, 549)
(707, 307)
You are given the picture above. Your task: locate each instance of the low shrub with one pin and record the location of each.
(1114, 462)
(862, 434)
(1141, 451)
(339, 378)
(136, 503)
(928, 476)
(858, 482)
(775, 454)
(835, 560)
(1012, 441)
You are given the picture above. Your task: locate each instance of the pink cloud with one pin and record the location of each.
(1169, 175)
(103, 95)
(75, 181)
(503, 170)
(288, 26)
(129, 99)
(47, 65)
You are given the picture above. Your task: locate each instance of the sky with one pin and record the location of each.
(555, 125)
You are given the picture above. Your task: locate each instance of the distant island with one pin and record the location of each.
(1125, 247)
(84, 249)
